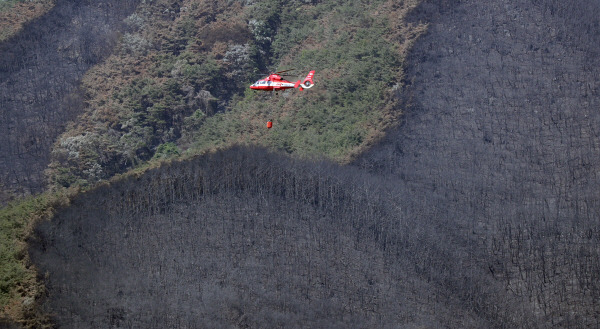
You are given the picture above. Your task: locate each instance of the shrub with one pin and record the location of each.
(166, 150)
(134, 43)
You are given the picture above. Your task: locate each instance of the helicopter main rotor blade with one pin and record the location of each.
(284, 71)
(271, 73)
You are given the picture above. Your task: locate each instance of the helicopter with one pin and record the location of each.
(275, 82)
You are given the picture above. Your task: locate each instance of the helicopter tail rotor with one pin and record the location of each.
(307, 83)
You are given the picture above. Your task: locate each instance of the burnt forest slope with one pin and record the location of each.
(501, 141)
(248, 239)
(40, 68)
(480, 210)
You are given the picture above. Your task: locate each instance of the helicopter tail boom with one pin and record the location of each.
(307, 83)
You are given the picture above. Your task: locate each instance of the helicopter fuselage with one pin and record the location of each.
(272, 82)
(275, 82)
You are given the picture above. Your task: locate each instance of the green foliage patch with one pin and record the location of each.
(19, 289)
(187, 73)
(166, 151)
(193, 89)
(356, 67)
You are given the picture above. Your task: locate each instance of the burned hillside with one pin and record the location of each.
(501, 137)
(247, 238)
(40, 69)
(479, 210)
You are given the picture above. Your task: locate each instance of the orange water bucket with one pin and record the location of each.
(269, 124)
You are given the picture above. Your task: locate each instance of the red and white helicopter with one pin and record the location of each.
(275, 82)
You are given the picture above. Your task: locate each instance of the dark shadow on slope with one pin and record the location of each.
(39, 72)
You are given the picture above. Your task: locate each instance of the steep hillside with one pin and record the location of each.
(479, 210)
(40, 68)
(175, 83)
(179, 83)
(95, 89)
(502, 140)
